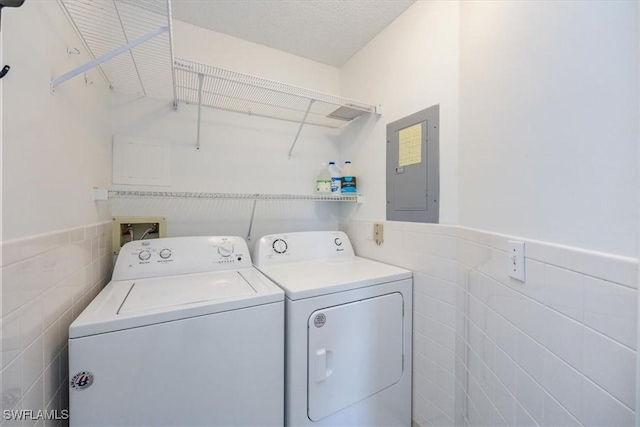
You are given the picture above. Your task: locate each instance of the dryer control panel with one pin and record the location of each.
(180, 255)
(304, 246)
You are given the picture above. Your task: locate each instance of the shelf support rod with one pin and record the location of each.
(253, 211)
(124, 33)
(200, 81)
(94, 63)
(304, 119)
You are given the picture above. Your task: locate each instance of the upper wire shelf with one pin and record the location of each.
(131, 43)
(132, 194)
(233, 91)
(129, 40)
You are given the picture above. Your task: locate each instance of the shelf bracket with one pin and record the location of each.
(94, 63)
(304, 119)
(253, 212)
(200, 82)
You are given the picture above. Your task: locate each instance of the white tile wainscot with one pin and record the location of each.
(556, 350)
(47, 280)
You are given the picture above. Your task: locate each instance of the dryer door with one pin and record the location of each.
(355, 351)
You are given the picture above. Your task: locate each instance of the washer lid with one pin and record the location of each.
(162, 292)
(312, 278)
(127, 304)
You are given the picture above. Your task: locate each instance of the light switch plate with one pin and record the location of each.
(515, 255)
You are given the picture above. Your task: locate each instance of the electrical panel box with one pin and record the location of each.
(413, 163)
(128, 228)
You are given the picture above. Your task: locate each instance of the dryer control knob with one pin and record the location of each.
(144, 255)
(337, 241)
(165, 253)
(225, 250)
(279, 246)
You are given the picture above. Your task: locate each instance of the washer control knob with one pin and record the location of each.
(225, 250)
(337, 241)
(144, 255)
(165, 253)
(279, 246)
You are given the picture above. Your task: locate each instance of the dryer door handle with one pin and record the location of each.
(322, 368)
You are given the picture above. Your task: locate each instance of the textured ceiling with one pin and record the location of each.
(327, 31)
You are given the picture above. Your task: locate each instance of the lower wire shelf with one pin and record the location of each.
(131, 194)
(178, 195)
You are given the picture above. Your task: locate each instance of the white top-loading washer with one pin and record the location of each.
(186, 333)
(348, 331)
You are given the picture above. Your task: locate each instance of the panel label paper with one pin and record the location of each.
(410, 145)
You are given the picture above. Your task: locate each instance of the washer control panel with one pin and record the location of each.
(180, 255)
(303, 246)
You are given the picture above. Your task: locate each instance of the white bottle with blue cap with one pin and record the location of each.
(336, 179)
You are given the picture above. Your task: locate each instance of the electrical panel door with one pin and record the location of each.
(413, 167)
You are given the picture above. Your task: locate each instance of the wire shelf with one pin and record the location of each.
(232, 91)
(105, 26)
(132, 194)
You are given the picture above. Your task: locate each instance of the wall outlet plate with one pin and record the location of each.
(515, 256)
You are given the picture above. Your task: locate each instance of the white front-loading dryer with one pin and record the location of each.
(348, 331)
(187, 333)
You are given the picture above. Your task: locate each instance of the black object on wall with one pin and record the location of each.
(3, 4)
(10, 3)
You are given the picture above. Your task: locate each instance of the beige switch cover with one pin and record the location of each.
(378, 233)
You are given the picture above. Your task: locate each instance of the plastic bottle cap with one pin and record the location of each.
(332, 163)
(348, 161)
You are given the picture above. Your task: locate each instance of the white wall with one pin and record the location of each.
(549, 121)
(209, 47)
(548, 149)
(55, 148)
(239, 153)
(638, 303)
(55, 241)
(411, 65)
(1, 125)
(548, 115)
